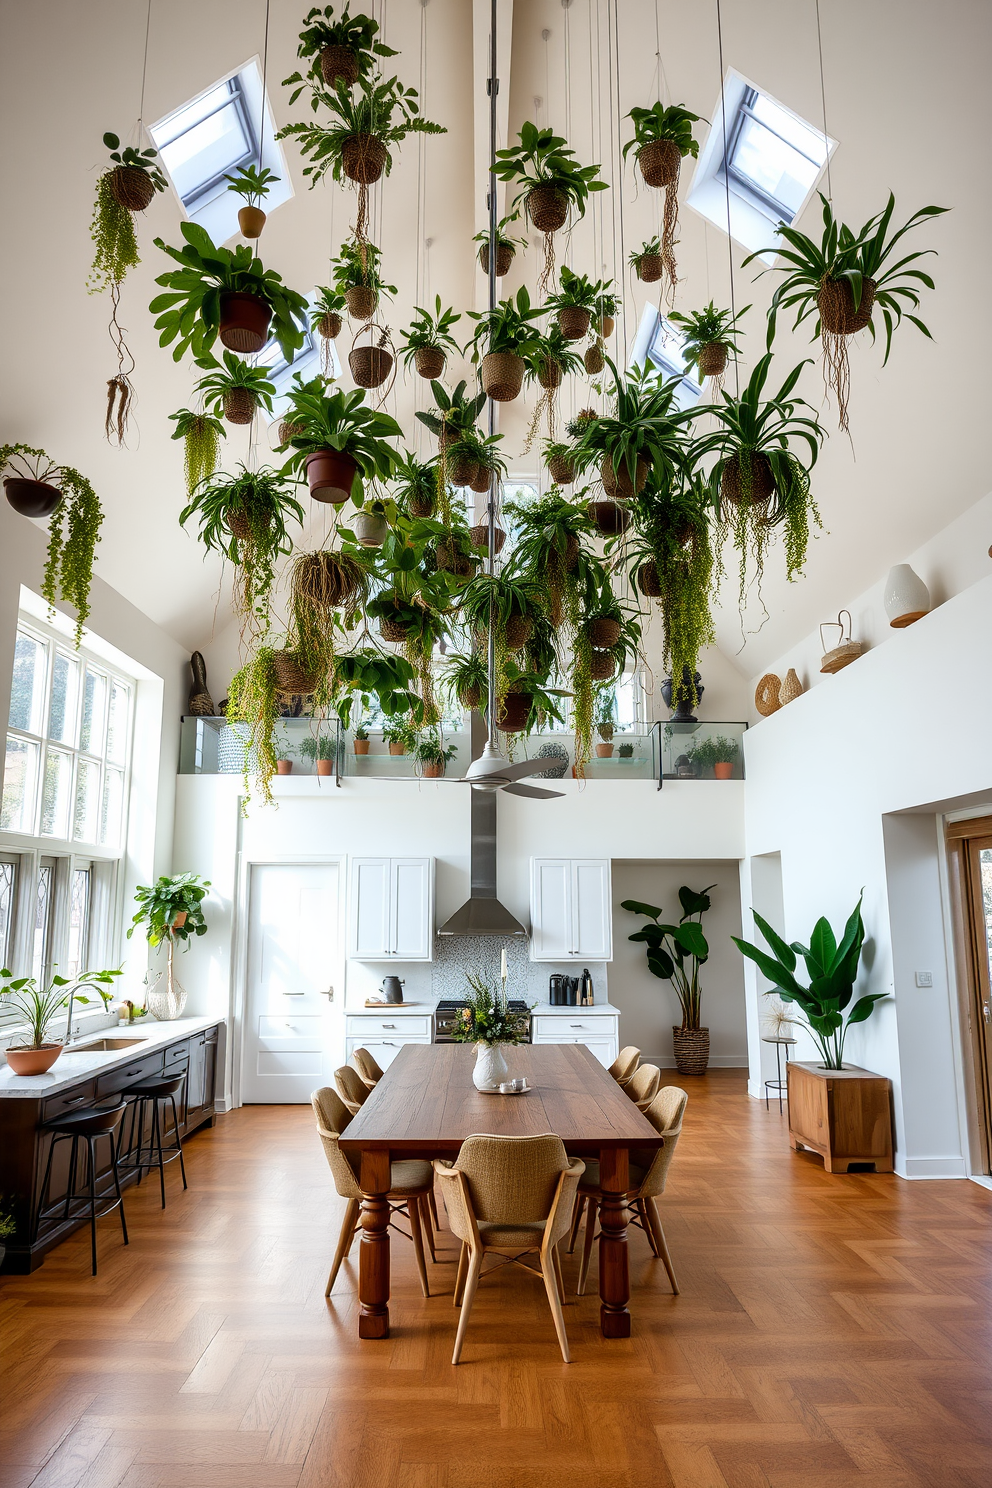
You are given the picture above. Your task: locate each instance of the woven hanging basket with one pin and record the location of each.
(505, 254)
(329, 582)
(594, 360)
(370, 365)
(421, 506)
(610, 518)
(239, 405)
(618, 483)
(561, 471)
(650, 267)
(713, 359)
(549, 374)
(470, 697)
(502, 375)
(518, 631)
(835, 303)
(482, 481)
(251, 220)
(363, 158)
(288, 431)
(244, 322)
(573, 322)
(392, 630)
(648, 581)
(462, 470)
(429, 361)
(603, 633)
(131, 187)
(451, 560)
(480, 536)
(660, 161)
(752, 484)
(338, 64)
(602, 666)
(362, 301)
(329, 325)
(692, 1050)
(290, 678)
(240, 525)
(547, 208)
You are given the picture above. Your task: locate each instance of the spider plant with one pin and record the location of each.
(416, 486)
(497, 603)
(552, 359)
(235, 390)
(709, 336)
(662, 138)
(548, 551)
(587, 668)
(466, 679)
(383, 112)
(644, 430)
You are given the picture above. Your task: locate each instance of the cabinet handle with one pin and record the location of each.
(576, 1025)
(76, 1100)
(389, 1025)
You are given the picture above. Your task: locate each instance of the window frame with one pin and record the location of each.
(745, 186)
(214, 184)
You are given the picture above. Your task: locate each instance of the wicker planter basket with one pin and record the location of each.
(251, 220)
(561, 471)
(362, 301)
(462, 470)
(244, 322)
(370, 365)
(240, 526)
(363, 158)
(594, 360)
(648, 581)
(608, 517)
(618, 483)
(131, 187)
(650, 267)
(660, 161)
(392, 630)
(571, 553)
(421, 506)
(329, 325)
(602, 666)
(835, 303)
(480, 536)
(239, 405)
(470, 697)
(573, 322)
(451, 560)
(338, 63)
(547, 208)
(329, 581)
(519, 629)
(290, 678)
(692, 1050)
(603, 633)
(712, 360)
(288, 431)
(429, 361)
(757, 485)
(502, 375)
(482, 480)
(32, 498)
(549, 374)
(505, 254)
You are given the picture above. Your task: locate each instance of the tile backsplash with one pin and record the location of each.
(457, 955)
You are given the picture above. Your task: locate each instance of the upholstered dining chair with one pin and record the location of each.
(643, 1085)
(351, 1088)
(648, 1176)
(625, 1064)
(410, 1182)
(367, 1067)
(509, 1196)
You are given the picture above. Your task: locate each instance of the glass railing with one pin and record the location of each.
(702, 751)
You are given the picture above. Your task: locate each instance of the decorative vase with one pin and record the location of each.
(490, 1067)
(165, 998)
(906, 597)
(692, 1050)
(790, 689)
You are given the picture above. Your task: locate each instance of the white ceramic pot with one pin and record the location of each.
(490, 1067)
(370, 529)
(906, 597)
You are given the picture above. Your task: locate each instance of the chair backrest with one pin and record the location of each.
(665, 1114)
(644, 1082)
(512, 1180)
(625, 1064)
(333, 1117)
(367, 1067)
(351, 1087)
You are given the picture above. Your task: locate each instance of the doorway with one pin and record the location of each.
(970, 861)
(292, 1025)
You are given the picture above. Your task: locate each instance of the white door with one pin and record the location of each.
(592, 936)
(411, 912)
(293, 1037)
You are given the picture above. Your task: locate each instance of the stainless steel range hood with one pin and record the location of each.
(482, 913)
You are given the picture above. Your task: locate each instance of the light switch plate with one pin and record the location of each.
(924, 978)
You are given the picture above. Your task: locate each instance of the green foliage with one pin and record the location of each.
(578, 292)
(547, 533)
(552, 346)
(429, 332)
(253, 703)
(465, 674)
(359, 264)
(328, 302)
(715, 750)
(344, 422)
(676, 951)
(650, 248)
(169, 896)
(400, 733)
(260, 503)
(383, 110)
(357, 33)
(201, 433)
(430, 749)
(509, 326)
(707, 327)
(136, 160)
(456, 413)
(251, 183)
(235, 373)
(832, 970)
(318, 747)
(503, 239)
(416, 483)
(487, 1018)
(114, 238)
(367, 674)
(660, 123)
(40, 1005)
(542, 158)
(645, 422)
(73, 533)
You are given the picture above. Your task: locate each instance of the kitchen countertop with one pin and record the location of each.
(424, 1008)
(77, 1063)
(549, 1010)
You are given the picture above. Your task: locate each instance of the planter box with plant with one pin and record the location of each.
(341, 441)
(662, 139)
(338, 50)
(254, 185)
(172, 909)
(35, 1050)
(427, 341)
(550, 183)
(675, 953)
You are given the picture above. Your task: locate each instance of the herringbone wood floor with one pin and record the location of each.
(831, 1331)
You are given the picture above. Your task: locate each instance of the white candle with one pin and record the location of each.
(502, 964)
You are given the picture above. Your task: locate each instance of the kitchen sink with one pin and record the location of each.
(106, 1045)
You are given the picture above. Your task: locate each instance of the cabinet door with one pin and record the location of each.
(196, 1079)
(592, 916)
(370, 912)
(550, 910)
(383, 1051)
(412, 911)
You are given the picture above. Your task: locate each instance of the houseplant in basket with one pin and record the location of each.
(645, 430)
(675, 953)
(172, 909)
(506, 247)
(258, 690)
(367, 675)
(488, 1022)
(235, 390)
(431, 754)
(606, 638)
(340, 441)
(662, 138)
(575, 302)
(357, 276)
(559, 458)
(548, 552)
(646, 261)
(415, 489)
(709, 338)
(342, 48)
(254, 185)
(551, 184)
(227, 293)
(529, 702)
(504, 338)
(319, 749)
(427, 341)
(552, 358)
(505, 605)
(39, 1006)
(467, 680)
(325, 321)
(201, 434)
(844, 279)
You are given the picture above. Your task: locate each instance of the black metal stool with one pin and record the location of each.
(151, 1092)
(84, 1126)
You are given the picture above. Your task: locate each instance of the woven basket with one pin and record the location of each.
(602, 666)
(692, 1050)
(482, 480)
(505, 254)
(470, 697)
(618, 483)
(766, 698)
(648, 581)
(547, 208)
(549, 374)
(290, 678)
(561, 471)
(571, 553)
(603, 632)
(462, 470)
(362, 301)
(329, 581)
(502, 375)
(370, 365)
(573, 322)
(450, 559)
(288, 431)
(519, 629)
(660, 161)
(480, 536)
(131, 187)
(421, 506)
(841, 656)
(239, 524)
(835, 303)
(713, 360)
(239, 405)
(791, 688)
(391, 630)
(610, 518)
(363, 158)
(329, 325)
(650, 267)
(338, 63)
(758, 488)
(594, 360)
(429, 361)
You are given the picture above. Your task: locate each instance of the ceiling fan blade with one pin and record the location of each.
(533, 792)
(524, 767)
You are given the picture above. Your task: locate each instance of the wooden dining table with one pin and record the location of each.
(425, 1106)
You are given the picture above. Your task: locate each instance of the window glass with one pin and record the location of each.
(87, 803)
(94, 703)
(665, 352)
(113, 803)
(62, 703)
(42, 920)
(27, 690)
(205, 140)
(117, 722)
(775, 154)
(8, 885)
(79, 909)
(55, 794)
(19, 776)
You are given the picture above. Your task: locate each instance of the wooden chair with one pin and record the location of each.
(411, 1181)
(625, 1064)
(643, 1085)
(648, 1175)
(509, 1196)
(367, 1067)
(351, 1088)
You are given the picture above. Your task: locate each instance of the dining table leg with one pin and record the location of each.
(373, 1265)
(614, 1276)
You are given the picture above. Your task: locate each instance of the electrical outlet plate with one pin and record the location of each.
(924, 978)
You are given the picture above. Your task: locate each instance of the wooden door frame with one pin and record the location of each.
(239, 968)
(972, 972)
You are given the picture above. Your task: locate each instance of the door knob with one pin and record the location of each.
(987, 1012)
(328, 992)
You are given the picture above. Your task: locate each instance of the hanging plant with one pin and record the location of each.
(606, 637)
(466, 679)
(576, 302)
(453, 423)
(321, 585)
(607, 309)
(506, 247)
(427, 341)
(662, 139)
(371, 366)
(709, 338)
(254, 185)
(551, 184)
(506, 607)
(343, 50)
(416, 486)
(491, 466)
(559, 459)
(844, 279)
(254, 706)
(504, 338)
(356, 275)
(340, 442)
(367, 675)
(201, 434)
(325, 323)
(644, 430)
(552, 359)
(235, 390)
(647, 262)
(529, 704)
(548, 552)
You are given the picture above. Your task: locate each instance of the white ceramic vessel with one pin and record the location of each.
(490, 1067)
(906, 597)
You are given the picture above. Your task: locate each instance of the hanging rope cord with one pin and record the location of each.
(617, 164)
(823, 103)
(726, 188)
(495, 483)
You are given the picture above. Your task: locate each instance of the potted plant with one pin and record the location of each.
(284, 752)
(488, 1022)
(126, 186)
(371, 365)
(607, 310)
(467, 680)
(341, 441)
(367, 675)
(416, 489)
(39, 1006)
(236, 390)
(504, 337)
(675, 953)
(253, 184)
(626, 751)
(551, 184)
(428, 340)
(257, 692)
(326, 322)
(322, 584)
(662, 139)
(844, 279)
(201, 434)
(708, 338)
(646, 261)
(490, 466)
(172, 909)
(37, 487)
(716, 753)
(455, 419)
(559, 458)
(548, 552)
(319, 749)
(244, 518)
(552, 359)
(506, 605)
(644, 430)
(343, 49)
(370, 525)
(400, 737)
(606, 722)
(605, 637)
(506, 247)
(227, 293)
(576, 302)
(529, 702)
(431, 754)
(360, 739)
(357, 276)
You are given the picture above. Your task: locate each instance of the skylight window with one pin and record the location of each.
(659, 344)
(306, 363)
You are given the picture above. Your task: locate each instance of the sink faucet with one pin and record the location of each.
(68, 1022)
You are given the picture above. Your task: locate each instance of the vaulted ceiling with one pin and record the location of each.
(907, 101)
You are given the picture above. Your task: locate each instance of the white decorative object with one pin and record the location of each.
(165, 998)
(490, 1067)
(906, 597)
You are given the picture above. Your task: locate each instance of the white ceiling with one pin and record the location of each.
(907, 100)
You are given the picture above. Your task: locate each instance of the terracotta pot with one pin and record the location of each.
(370, 529)
(610, 518)
(648, 581)
(713, 359)
(504, 257)
(329, 325)
(514, 712)
(723, 770)
(361, 746)
(603, 633)
(593, 360)
(549, 374)
(604, 326)
(561, 471)
(602, 667)
(650, 267)
(835, 303)
(756, 487)
(239, 405)
(660, 161)
(692, 1050)
(396, 748)
(432, 769)
(331, 476)
(480, 536)
(429, 361)
(33, 1061)
(604, 751)
(618, 483)
(251, 220)
(180, 920)
(363, 158)
(370, 365)
(362, 301)
(244, 322)
(518, 631)
(573, 321)
(32, 498)
(338, 63)
(502, 375)
(547, 208)
(284, 767)
(131, 187)
(325, 767)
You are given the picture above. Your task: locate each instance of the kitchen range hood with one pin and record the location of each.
(482, 913)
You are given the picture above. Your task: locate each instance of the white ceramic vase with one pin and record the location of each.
(490, 1067)
(906, 597)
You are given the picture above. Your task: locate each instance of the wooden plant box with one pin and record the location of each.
(844, 1115)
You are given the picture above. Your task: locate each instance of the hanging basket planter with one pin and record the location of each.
(602, 666)
(518, 631)
(290, 678)
(451, 560)
(574, 322)
(362, 301)
(470, 697)
(561, 470)
(549, 374)
(363, 158)
(594, 360)
(32, 498)
(288, 431)
(660, 162)
(751, 483)
(480, 536)
(835, 302)
(462, 470)
(244, 322)
(131, 187)
(392, 630)
(370, 529)
(251, 220)
(430, 362)
(602, 632)
(505, 254)
(610, 519)
(604, 326)
(618, 483)
(482, 481)
(650, 267)
(370, 365)
(547, 208)
(331, 476)
(502, 375)
(712, 360)
(326, 578)
(421, 506)
(648, 580)
(239, 405)
(571, 557)
(513, 713)
(329, 325)
(338, 64)
(240, 524)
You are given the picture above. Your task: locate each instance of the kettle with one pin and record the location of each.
(392, 988)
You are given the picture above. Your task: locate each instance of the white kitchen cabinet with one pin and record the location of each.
(384, 1036)
(391, 912)
(598, 1031)
(571, 909)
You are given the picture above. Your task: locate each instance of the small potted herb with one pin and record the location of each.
(717, 753)
(284, 752)
(431, 755)
(400, 737)
(237, 390)
(319, 750)
(626, 751)
(606, 715)
(253, 185)
(360, 739)
(427, 341)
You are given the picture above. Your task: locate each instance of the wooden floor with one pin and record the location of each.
(831, 1331)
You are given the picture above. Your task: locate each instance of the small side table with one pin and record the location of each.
(778, 1084)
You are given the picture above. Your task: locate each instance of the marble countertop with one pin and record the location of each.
(549, 1010)
(79, 1063)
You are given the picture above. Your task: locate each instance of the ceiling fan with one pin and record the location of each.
(491, 772)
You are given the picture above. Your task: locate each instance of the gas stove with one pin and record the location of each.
(449, 1009)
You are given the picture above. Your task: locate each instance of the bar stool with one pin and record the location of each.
(84, 1126)
(151, 1092)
